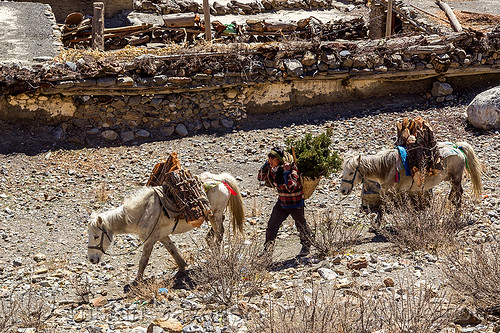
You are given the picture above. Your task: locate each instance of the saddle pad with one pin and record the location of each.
(447, 149)
(404, 160)
(168, 204)
(210, 184)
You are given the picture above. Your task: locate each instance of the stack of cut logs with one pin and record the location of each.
(186, 190)
(188, 26)
(113, 37)
(271, 27)
(177, 27)
(422, 151)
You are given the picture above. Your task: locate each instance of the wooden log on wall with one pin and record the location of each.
(388, 22)
(206, 15)
(451, 16)
(186, 20)
(98, 26)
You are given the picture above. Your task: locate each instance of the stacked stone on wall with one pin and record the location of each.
(193, 92)
(62, 9)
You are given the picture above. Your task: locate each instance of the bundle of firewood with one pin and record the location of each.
(113, 37)
(161, 169)
(186, 190)
(422, 152)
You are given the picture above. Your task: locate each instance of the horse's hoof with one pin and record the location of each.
(129, 286)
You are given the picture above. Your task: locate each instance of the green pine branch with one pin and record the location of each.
(315, 158)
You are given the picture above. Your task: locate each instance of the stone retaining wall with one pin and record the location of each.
(162, 95)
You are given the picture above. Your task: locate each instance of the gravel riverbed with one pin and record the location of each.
(49, 189)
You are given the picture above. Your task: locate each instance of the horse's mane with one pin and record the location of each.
(132, 203)
(383, 160)
(370, 164)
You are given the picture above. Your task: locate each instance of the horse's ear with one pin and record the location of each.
(99, 221)
(359, 159)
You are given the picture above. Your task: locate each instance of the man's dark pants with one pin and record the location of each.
(279, 215)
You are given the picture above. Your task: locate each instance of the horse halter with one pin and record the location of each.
(100, 247)
(351, 181)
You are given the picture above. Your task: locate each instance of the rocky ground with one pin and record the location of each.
(48, 190)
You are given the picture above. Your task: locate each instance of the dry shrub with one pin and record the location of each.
(423, 222)
(102, 194)
(408, 307)
(475, 272)
(82, 287)
(414, 306)
(333, 234)
(232, 270)
(150, 288)
(9, 307)
(24, 309)
(320, 309)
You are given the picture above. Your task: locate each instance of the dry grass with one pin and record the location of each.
(24, 309)
(82, 287)
(423, 223)
(475, 272)
(319, 309)
(102, 194)
(332, 234)
(131, 52)
(414, 306)
(152, 288)
(189, 50)
(408, 307)
(233, 270)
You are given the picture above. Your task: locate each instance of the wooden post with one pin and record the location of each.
(98, 26)
(206, 15)
(451, 16)
(388, 22)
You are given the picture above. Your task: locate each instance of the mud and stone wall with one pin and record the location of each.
(61, 9)
(162, 95)
(406, 20)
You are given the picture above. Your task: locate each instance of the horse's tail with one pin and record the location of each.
(235, 203)
(474, 167)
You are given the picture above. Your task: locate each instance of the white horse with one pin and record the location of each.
(142, 214)
(385, 167)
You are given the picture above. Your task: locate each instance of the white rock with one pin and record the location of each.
(139, 330)
(327, 273)
(484, 111)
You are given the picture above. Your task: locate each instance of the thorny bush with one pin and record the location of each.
(82, 287)
(24, 309)
(150, 289)
(332, 234)
(422, 222)
(475, 272)
(411, 306)
(230, 271)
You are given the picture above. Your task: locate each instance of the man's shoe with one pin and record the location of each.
(304, 251)
(267, 251)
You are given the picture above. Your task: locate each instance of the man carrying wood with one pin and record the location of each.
(279, 173)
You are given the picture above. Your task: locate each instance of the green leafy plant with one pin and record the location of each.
(314, 156)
